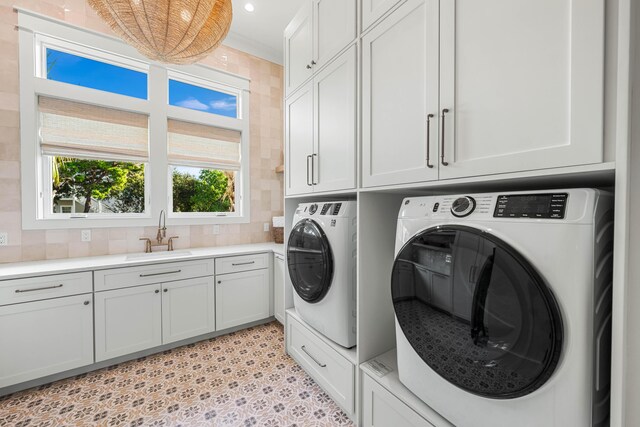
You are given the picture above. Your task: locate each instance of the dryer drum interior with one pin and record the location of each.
(310, 261)
(476, 312)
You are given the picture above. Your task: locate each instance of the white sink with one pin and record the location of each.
(156, 255)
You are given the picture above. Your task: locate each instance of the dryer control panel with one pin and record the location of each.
(549, 205)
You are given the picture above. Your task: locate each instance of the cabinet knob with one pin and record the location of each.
(313, 62)
(166, 290)
(157, 291)
(86, 303)
(219, 281)
(308, 66)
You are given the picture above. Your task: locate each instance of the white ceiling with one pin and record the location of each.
(260, 32)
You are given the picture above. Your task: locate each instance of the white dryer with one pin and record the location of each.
(503, 306)
(321, 259)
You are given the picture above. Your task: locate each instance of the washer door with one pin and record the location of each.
(310, 261)
(476, 312)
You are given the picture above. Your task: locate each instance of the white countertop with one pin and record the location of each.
(37, 268)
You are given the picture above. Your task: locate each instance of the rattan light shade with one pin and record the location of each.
(171, 31)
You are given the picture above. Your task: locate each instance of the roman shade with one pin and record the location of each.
(78, 130)
(203, 146)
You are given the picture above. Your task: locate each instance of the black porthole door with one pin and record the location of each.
(476, 312)
(310, 261)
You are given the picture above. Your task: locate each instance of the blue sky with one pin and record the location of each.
(73, 69)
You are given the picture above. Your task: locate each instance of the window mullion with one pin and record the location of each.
(158, 164)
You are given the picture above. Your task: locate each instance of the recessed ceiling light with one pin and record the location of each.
(249, 7)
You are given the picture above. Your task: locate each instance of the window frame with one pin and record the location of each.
(36, 34)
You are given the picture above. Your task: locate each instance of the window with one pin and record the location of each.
(108, 137)
(202, 99)
(77, 70)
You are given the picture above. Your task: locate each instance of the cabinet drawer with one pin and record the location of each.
(234, 264)
(116, 278)
(44, 287)
(334, 373)
(381, 408)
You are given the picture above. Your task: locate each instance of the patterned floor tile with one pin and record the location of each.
(241, 379)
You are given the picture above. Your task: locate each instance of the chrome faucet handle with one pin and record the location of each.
(170, 243)
(147, 244)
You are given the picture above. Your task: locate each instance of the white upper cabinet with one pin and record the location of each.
(320, 136)
(334, 156)
(399, 92)
(372, 10)
(523, 83)
(498, 92)
(298, 49)
(334, 25)
(318, 32)
(299, 141)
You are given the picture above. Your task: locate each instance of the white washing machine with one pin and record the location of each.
(503, 306)
(321, 259)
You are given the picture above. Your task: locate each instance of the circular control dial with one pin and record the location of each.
(463, 206)
(313, 208)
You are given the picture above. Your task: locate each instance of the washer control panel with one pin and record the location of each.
(549, 205)
(463, 206)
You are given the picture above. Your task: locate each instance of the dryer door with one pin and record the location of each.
(476, 312)
(310, 261)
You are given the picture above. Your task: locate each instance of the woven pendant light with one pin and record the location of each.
(171, 31)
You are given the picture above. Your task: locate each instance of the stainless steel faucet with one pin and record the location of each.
(162, 227)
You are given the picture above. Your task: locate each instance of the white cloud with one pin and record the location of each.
(192, 104)
(224, 104)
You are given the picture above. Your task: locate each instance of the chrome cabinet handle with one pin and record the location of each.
(160, 274)
(243, 263)
(313, 169)
(322, 365)
(308, 183)
(18, 291)
(444, 111)
(429, 117)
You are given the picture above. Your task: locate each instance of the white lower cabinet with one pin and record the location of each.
(278, 288)
(41, 338)
(142, 317)
(380, 408)
(333, 372)
(242, 298)
(127, 320)
(188, 309)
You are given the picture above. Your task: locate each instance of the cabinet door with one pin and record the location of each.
(278, 288)
(242, 298)
(335, 125)
(299, 141)
(188, 309)
(45, 337)
(334, 24)
(298, 49)
(127, 320)
(372, 10)
(399, 90)
(532, 99)
(380, 408)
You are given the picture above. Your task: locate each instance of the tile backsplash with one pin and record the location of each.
(266, 152)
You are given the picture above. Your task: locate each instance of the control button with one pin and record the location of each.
(436, 206)
(313, 208)
(463, 206)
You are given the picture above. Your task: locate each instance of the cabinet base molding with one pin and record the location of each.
(95, 366)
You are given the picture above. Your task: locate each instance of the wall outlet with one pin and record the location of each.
(85, 235)
(265, 226)
(216, 229)
(4, 238)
